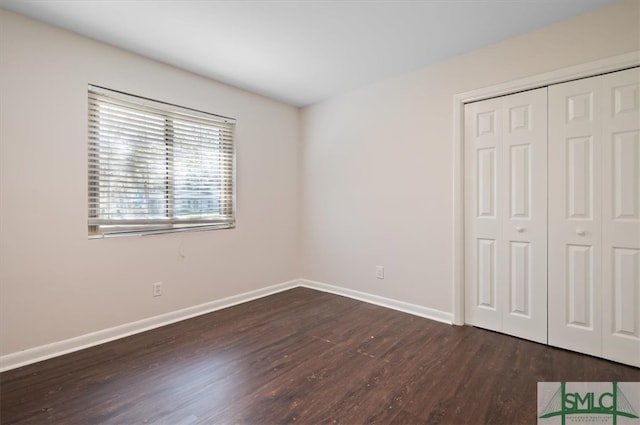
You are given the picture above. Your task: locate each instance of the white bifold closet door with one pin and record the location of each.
(594, 216)
(506, 214)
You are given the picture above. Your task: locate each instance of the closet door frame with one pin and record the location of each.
(615, 63)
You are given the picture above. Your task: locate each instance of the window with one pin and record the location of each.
(156, 167)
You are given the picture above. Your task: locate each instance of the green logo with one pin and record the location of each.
(566, 403)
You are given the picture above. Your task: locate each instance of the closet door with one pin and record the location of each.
(594, 216)
(575, 174)
(483, 249)
(505, 218)
(621, 216)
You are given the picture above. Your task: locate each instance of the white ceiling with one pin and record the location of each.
(301, 52)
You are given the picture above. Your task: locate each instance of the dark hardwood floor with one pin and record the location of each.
(300, 356)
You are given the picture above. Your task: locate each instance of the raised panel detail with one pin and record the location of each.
(486, 123)
(626, 291)
(520, 181)
(487, 273)
(626, 98)
(580, 107)
(520, 278)
(579, 177)
(486, 182)
(519, 118)
(579, 286)
(626, 175)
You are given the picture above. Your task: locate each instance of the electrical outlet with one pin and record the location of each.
(380, 272)
(157, 289)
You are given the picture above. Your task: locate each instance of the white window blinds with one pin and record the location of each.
(157, 167)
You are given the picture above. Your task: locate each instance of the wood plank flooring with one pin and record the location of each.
(300, 356)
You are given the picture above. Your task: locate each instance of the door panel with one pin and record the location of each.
(580, 296)
(486, 274)
(574, 274)
(626, 272)
(486, 182)
(520, 181)
(621, 216)
(520, 279)
(626, 184)
(483, 130)
(524, 227)
(580, 178)
(505, 187)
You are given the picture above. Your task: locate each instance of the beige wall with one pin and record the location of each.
(366, 180)
(377, 163)
(54, 282)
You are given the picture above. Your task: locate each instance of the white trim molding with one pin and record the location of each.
(603, 66)
(416, 310)
(59, 348)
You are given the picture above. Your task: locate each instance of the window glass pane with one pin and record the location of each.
(133, 176)
(197, 174)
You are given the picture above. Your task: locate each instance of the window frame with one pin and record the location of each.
(105, 227)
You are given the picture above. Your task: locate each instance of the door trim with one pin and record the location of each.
(614, 63)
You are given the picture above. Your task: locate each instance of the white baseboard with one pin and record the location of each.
(44, 352)
(416, 310)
